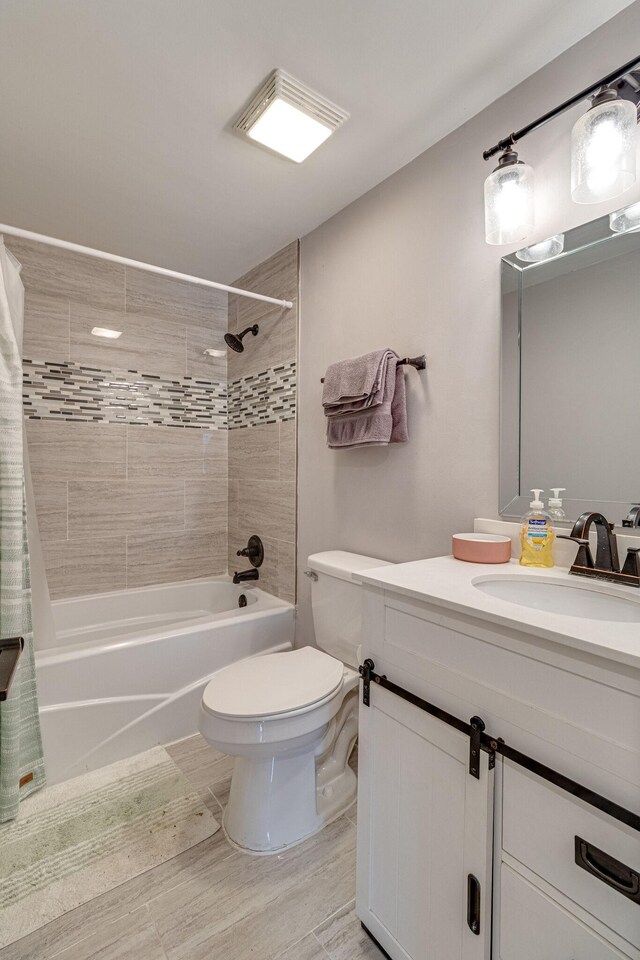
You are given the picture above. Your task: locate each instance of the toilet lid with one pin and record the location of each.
(274, 684)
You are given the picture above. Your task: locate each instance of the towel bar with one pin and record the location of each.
(420, 363)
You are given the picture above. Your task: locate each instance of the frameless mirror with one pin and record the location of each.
(570, 389)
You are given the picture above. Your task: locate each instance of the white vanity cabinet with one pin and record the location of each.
(425, 828)
(425, 824)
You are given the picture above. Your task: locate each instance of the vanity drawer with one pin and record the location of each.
(540, 824)
(533, 927)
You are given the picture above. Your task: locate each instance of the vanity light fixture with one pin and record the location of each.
(508, 200)
(603, 148)
(105, 332)
(603, 153)
(288, 117)
(543, 250)
(625, 220)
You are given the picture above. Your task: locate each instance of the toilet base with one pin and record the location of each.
(340, 798)
(277, 802)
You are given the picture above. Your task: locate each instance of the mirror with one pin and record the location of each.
(570, 390)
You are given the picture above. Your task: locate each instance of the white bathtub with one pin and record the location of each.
(129, 668)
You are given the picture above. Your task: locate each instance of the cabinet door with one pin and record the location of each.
(424, 825)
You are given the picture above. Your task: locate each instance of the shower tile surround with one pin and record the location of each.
(262, 422)
(130, 440)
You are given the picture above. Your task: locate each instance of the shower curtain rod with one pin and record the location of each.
(148, 267)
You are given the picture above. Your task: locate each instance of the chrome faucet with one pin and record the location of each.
(606, 565)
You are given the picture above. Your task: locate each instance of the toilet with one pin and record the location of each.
(291, 719)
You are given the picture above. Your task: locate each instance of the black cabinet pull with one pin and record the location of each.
(606, 868)
(473, 904)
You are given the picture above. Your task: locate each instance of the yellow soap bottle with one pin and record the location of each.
(536, 535)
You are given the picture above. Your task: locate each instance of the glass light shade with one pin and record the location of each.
(626, 219)
(508, 203)
(289, 131)
(544, 250)
(603, 151)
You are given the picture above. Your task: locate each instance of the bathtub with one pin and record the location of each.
(129, 668)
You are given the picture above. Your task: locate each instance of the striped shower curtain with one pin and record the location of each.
(21, 761)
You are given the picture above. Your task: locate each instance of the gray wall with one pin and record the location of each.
(406, 266)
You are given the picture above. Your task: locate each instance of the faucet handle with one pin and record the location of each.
(632, 565)
(584, 557)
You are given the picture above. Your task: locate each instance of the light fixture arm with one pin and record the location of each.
(508, 142)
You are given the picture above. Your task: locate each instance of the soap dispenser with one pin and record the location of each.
(555, 504)
(536, 535)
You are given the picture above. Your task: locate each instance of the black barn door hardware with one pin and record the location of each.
(475, 731)
(606, 868)
(473, 904)
(10, 651)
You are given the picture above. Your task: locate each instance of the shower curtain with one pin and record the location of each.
(21, 759)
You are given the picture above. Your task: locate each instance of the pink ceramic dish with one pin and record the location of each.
(481, 547)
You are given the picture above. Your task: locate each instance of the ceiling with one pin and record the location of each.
(116, 114)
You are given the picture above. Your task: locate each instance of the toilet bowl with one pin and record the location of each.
(291, 720)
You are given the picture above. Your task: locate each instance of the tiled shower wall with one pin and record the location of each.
(262, 423)
(127, 438)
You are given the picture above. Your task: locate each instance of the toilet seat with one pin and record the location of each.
(273, 685)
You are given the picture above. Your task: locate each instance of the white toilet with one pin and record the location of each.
(291, 719)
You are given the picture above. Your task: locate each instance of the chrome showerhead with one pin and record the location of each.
(234, 340)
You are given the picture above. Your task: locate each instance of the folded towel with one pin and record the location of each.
(377, 425)
(360, 379)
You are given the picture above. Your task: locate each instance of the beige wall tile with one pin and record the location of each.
(232, 487)
(286, 588)
(198, 365)
(46, 327)
(275, 277)
(253, 452)
(175, 300)
(287, 450)
(269, 507)
(163, 558)
(173, 451)
(289, 334)
(262, 351)
(216, 444)
(117, 507)
(147, 344)
(238, 538)
(77, 567)
(76, 451)
(205, 503)
(51, 508)
(72, 276)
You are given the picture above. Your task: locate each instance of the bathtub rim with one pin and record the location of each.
(266, 605)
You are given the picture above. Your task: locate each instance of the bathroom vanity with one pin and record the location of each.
(471, 854)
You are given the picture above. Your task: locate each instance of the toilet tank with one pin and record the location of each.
(336, 601)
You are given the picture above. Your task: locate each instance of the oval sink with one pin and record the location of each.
(565, 599)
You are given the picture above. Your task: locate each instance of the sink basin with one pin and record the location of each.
(565, 599)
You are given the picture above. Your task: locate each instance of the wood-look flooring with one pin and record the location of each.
(215, 902)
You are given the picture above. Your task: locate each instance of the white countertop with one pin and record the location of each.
(449, 583)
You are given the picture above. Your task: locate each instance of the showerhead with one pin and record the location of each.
(234, 340)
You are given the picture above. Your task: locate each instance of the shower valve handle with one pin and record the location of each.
(254, 551)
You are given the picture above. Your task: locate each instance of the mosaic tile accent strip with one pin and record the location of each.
(267, 397)
(68, 391)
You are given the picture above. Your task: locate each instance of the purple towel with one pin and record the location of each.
(356, 383)
(382, 422)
